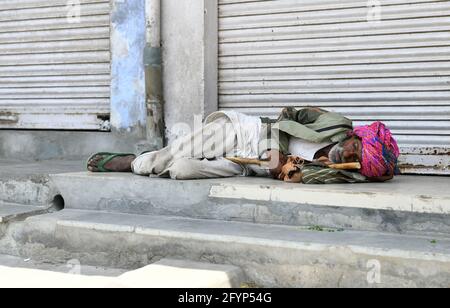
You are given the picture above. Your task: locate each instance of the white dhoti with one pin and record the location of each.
(201, 154)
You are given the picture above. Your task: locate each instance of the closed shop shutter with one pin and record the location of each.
(54, 64)
(389, 63)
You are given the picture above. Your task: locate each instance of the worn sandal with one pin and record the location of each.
(108, 157)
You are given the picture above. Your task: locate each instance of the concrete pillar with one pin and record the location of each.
(153, 74)
(189, 45)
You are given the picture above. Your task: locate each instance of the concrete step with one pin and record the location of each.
(270, 255)
(28, 183)
(12, 212)
(163, 274)
(409, 204)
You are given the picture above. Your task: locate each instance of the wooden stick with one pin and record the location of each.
(265, 163)
(346, 166)
(249, 161)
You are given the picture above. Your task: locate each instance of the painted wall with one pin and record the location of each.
(128, 109)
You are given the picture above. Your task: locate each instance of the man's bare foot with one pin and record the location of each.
(117, 164)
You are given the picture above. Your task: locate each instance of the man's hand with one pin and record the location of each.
(276, 162)
(292, 170)
(325, 160)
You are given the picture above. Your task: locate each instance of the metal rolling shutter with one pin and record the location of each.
(54, 71)
(276, 53)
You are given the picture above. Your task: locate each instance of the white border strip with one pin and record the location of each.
(363, 200)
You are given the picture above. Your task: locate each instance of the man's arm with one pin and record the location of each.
(278, 141)
(380, 179)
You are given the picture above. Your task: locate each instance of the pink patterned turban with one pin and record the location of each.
(380, 151)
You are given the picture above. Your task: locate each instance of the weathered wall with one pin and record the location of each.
(189, 35)
(128, 109)
(43, 145)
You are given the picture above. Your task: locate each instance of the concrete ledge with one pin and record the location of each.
(408, 204)
(26, 190)
(271, 256)
(11, 212)
(28, 183)
(407, 194)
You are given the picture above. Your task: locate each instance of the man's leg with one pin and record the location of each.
(195, 169)
(152, 162)
(212, 141)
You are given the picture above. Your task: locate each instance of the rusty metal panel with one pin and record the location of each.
(330, 54)
(55, 69)
(426, 164)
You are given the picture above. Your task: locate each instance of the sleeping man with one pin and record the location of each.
(299, 146)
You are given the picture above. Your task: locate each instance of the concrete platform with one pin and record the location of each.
(28, 183)
(271, 256)
(409, 204)
(281, 235)
(11, 212)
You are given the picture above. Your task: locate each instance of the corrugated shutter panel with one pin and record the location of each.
(54, 71)
(326, 53)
